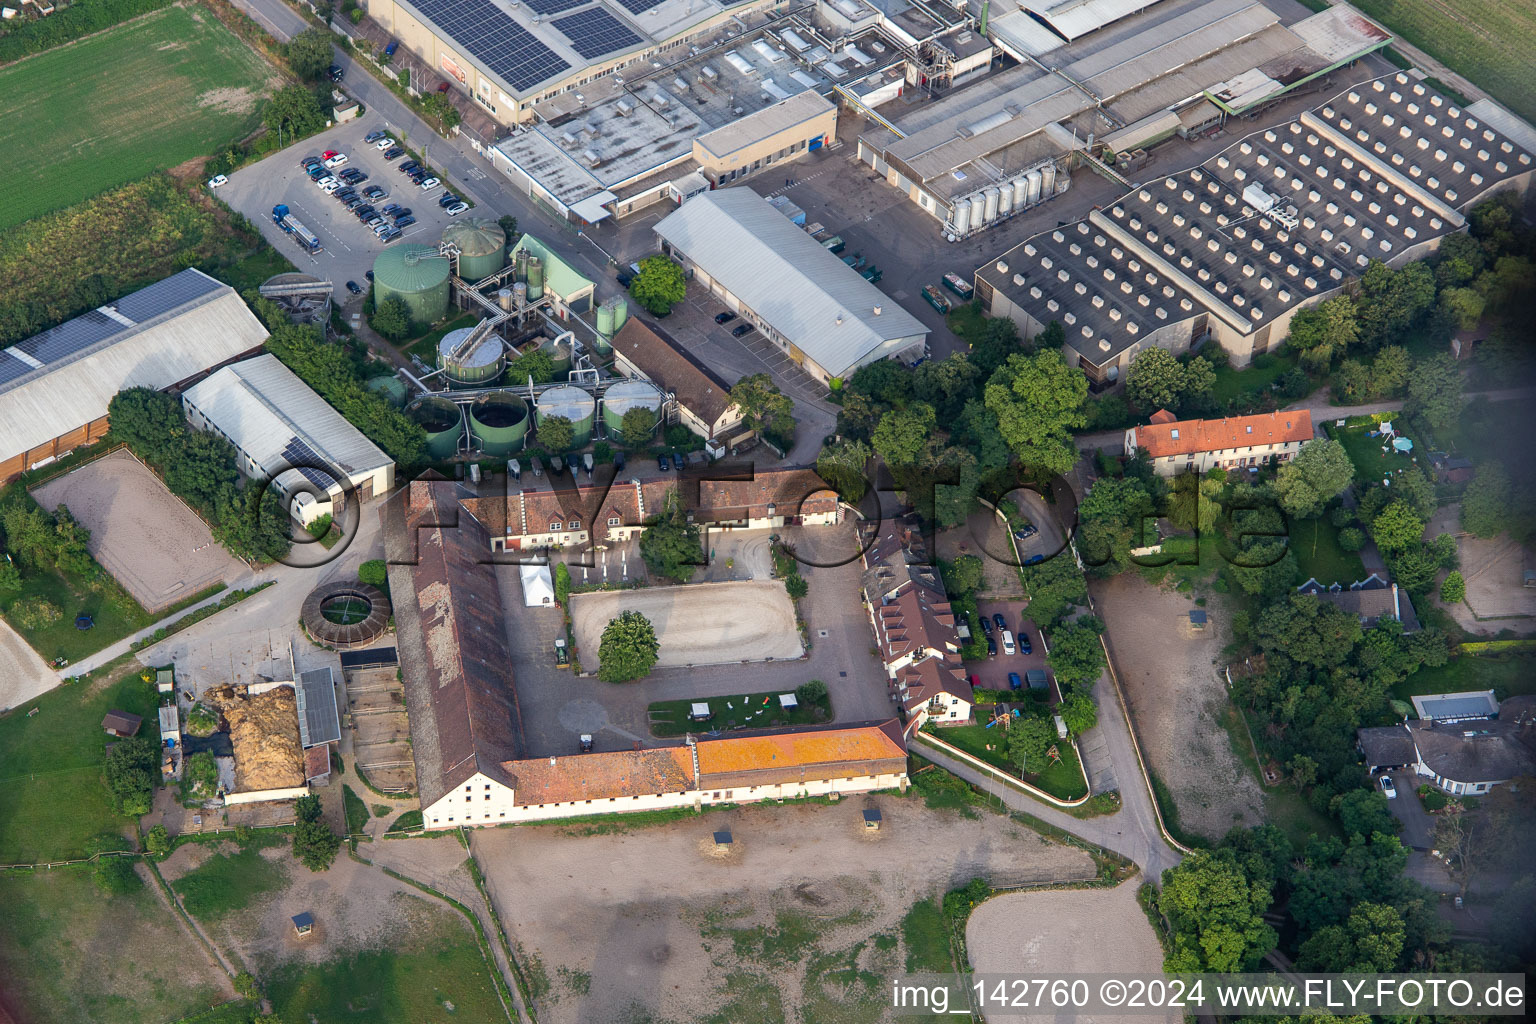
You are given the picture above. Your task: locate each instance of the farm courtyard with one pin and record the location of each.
(144, 96)
(697, 624)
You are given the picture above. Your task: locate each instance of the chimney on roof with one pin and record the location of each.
(877, 311)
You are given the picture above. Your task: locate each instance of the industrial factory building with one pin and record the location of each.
(825, 317)
(286, 433)
(568, 290)
(1229, 250)
(1116, 76)
(55, 386)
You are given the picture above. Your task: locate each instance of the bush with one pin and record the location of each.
(1351, 538)
(373, 572)
(810, 692)
(1434, 800)
(1454, 589)
(157, 842)
(795, 584)
(115, 876)
(1341, 517)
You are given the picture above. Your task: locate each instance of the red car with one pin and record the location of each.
(327, 154)
(443, 87)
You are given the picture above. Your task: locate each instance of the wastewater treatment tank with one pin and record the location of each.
(441, 420)
(482, 246)
(572, 403)
(627, 395)
(498, 422)
(475, 368)
(560, 352)
(391, 389)
(417, 274)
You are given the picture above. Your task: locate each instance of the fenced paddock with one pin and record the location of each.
(697, 624)
(141, 533)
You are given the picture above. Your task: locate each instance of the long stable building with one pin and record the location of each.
(1230, 250)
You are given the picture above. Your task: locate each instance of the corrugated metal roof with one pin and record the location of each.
(1173, 45)
(1073, 18)
(821, 305)
(767, 122)
(158, 336)
(264, 408)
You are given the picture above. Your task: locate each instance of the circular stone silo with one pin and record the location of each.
(478, 367)
(627, 395)
(572, 403)
(417, 274)
(482, 246)
(441, 420)
(498, 422)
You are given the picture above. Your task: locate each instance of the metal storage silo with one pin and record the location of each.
(505, 299)
(1047, 181)
(620, 311)
(605, 320)
(499, 422)
(627, 395)
(961, 217)
(441, 420)
(416, 273)
(572, 403)
(475, 368)
(392, 389)
(1004, 199)
(1020, 192)
(989, 207)
(482, 246)
(1034, 187)
(535, 278)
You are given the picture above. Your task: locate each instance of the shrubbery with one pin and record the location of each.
(69, 23)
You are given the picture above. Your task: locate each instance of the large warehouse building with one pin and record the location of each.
(826, 317)
(55, 386)
(286, 433)
(1229, 250)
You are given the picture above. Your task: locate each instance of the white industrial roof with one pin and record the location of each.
(766, 123)
(1073, 18)
(788, 279)
(274, 417)
(62, 379)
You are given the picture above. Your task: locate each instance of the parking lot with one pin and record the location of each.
(993, 672)
(349, 248)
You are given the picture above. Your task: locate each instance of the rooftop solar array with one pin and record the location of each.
(639, 6)
(595, 32)
(308, 462)
(507, 50)
(318, 719)
(552, 6)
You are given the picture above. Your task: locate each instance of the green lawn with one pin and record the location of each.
(926, 938)
(670, 717)
(1316, 544)
(357, 811)
(433, 966)
(52, 799)
(145, 96)
(1251, 382)
(1485, 40)
(1063, 780)
(228, 882)
(1507, 675)
(1371, 463)
(69, 954)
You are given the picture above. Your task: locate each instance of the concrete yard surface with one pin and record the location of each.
(141, 533)
(1496, 596)
(699, 624)
(23, 673)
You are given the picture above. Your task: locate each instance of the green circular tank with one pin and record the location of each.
(620, 311)
(474, 369)
(535, 278)
(392, 389)
(627, 395)
(417, 274)
(499, 422)
(441, 420)
(605, 321)
(482, 246)
(572, 403)
(559, 350)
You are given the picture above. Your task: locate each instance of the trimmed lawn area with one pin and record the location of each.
(69, 954)
(1316, 544)
(142, 97)
(357, 811)
(1253, 381)
(228, 882)
(1507, 675)
(52, 798)
(1063, 780)
(926, 938)
(751, 711)
(1372, 464)
(434, 974)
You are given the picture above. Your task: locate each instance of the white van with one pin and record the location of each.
(1008, 647)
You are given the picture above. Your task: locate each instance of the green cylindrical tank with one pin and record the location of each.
(417, 274)
(559, 350)
(441, 420)
(627, 395)
(482, 246)
(521, 273)
(620, 311)
(392, 388)
(477, 368)
(535, 278)
(499, 422)
(605, 320)
(572, 403)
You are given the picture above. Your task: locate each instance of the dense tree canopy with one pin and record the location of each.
(670, 544)
(1318, 473)
(763, 406)
(628, 649)
(1325, 332)
(1216, 912)
(1037, 400)
(659, 286)
(310, 53)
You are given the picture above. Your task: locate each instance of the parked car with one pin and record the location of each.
(317, 171)
(373, 222)
(375, 136)
(663, 463)
(1008, 646)
(1034, 559)
(1000, 622)
(586, 743)
(217, 180)
(1026, 531)
(1388, 789)
(741, 330)
(364, 212)
(350, 174)
(447, 199)
(393, 153)
(390, 235)
(443, 87)
(353, 288)
(975, 681)
(392, 209)
(1014, 682)
(1025, 646)
(308, 161)
(385, 143)
(986, 626)
(327, 154)
(408, 167)
(374, 192)
(618, 460)
(337, 72)
(724, 318)
(368, 274)
(336, 161)
(352, 203)
(991, 646)
(384, 228)
(456, 208)
(404, 221)
(330, 187)
(326, 179)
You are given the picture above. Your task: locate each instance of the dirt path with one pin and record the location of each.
(209, 950)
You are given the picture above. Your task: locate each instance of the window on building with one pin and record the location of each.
(554, 527)
(1175, 434)
(613, 520)
(574, 524)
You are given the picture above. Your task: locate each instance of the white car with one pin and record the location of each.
(337, 160)
(384, 143)
(331, 186)
(328, 179)
(457, 208)
(427, 184)
(1387, 788)
(217, 180)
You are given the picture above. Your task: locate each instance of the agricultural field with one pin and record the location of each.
(1486, 40)
(141, 97)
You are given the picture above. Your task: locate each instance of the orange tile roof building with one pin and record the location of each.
(1236, 442)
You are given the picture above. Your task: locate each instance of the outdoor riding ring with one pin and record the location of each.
(346, 614)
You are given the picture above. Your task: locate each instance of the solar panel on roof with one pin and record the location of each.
(176, 290)
(11, 368)
(309, 463)
(507, 50)
(595, 32)
(318, 718)
(69, 337)
(639, 6)
(552, 6)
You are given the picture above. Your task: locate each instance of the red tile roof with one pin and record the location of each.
(620, 773)
(1184, 437)
(799, 749)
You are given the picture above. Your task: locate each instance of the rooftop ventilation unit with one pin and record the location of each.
(1255, 196)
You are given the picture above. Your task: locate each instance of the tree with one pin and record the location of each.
(115, 876)
(1216, 913)
(1485, 505)
(1077, 656)
(374, 572)
(1389, 371)
(902, 434)
(945, 384)
(1079, 712)
(841, 464)
(885, 381)
(811, 691)
(294, 112)
(795, 586)
(392, 318)
(1465, 304)
(1369, 942)
(1435, 390)
(628, 649)
(763, 406)
(1029, 742)
(1155, 380)
(1306, 484)
(556, 433)
(638, 426)
(965, 575)
(438, 110)
(508, 225)
(132, 768)
(314, 844)
(157, 842)
(245, 985)
(1414, 569)
(670, 543)
(1392, 300)
(1308, 631)
(1055, 587)
(1397, 527)
(146, 421)
(659, 286)
(1458, 260)
(562, 585)
(1037, 400)
(535, 363)
(1351, 538)
(309, 53)
(10, 577)
(1325, 332)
